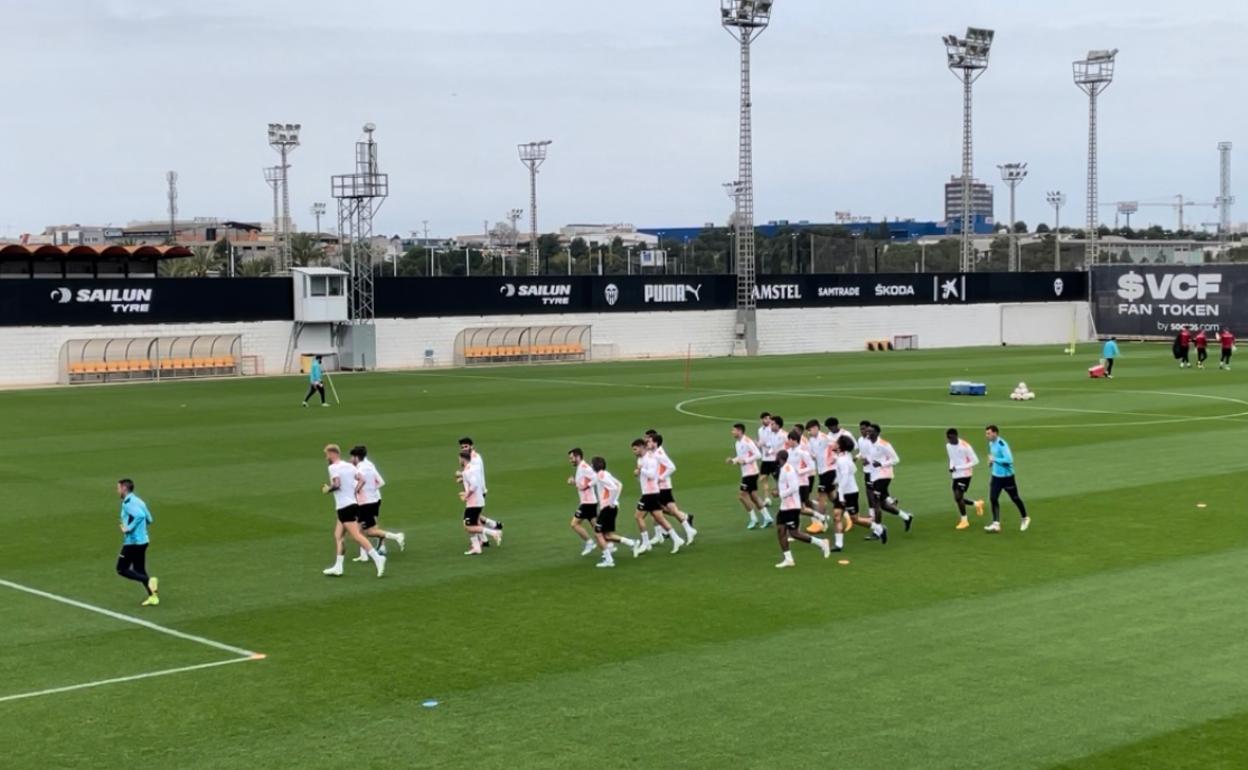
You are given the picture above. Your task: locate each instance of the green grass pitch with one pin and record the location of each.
(1113, 634)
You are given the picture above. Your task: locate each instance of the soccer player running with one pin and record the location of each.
(1003, 480)
(962, 462)
(473, 496)
(466, 445)
(609, 489)
(819, 445)
(1183, 347)
(1227, 341)
(866, 450)
(835, 433)
(132, 561)
(648, 472)
(846, 505)
(768, 447)
(368, 484)
(654, 443)
(315, 383)
(789, 519)
(584, 480)
(747, 457)
(801, 459)
(342, 485)
(884, 459)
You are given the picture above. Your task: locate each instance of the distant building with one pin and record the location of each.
(981, 202)
(604, 235)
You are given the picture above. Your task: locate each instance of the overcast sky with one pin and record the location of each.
(853, 107)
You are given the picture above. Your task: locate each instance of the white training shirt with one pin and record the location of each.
(648, 477)
(819, 450)
(962, 459)
(803, 463)
(478, 462)
(584, 481)
(747, 456)
(789, 491)
(344, 494)
(887, 457)
(866, 450)
(609, 489)
(666, 468)
(764, 441)
(846, 479)
(373, 482)
(474, 485)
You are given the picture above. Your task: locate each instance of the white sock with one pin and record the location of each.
(788, 556)
(675, 537)
(338, 562)
(363, 553)
(876, 529)
(658, 532)
(607, 558)
(475, 539)
(688, 529)
(905, 516)
(489, 531)
(491, 523)
(645, 538)
(628, 542)
(766, 514)
(372, 554)
(753, 517)
(391, 536)
(839, 539)
(818, 542)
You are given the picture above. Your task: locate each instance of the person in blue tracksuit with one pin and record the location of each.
(1109, 353)
(1003, 480)
(132, 561)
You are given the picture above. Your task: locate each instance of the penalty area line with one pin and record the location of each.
(244, 654)
(120, 679)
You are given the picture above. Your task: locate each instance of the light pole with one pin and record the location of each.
(428, 251)
(1057, 199)
(1013, 175)
(733, 189)
(273, 176)
(318, 211)
(284, 137)
(967, 59)
(513, 216)
(1093, 75)
(532, 155)
(745, 20)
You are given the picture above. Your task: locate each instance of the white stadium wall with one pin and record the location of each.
(31, 353)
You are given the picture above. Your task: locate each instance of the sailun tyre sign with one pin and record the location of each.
(118, 300)
(1159, 300)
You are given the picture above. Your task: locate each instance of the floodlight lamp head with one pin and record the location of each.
(969, 54)
(745, 18)
(1096, 72)
(1056, 198)
(534, 151)
(369, 128)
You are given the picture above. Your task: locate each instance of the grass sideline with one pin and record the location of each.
(1109, 635)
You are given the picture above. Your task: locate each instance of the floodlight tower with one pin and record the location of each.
(532, 155)
(513, 218)
(318, 211)
(284, 137)
(1093, 75)
(273, 177)
(172, 178)
(967, 59)
(359, 196)
(1225, 199)
(1057, 199)
(1013, 175)
(745, 20)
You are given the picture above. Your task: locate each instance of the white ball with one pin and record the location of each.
(1022, 386)
(1030, 396)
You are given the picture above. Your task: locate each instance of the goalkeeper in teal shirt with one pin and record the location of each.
(315, 382)
(1109, 353)
(132, 561)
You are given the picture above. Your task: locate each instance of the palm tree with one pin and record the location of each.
(255, 268)
(306, 250)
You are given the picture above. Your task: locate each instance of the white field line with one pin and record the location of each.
(120, 679)
(246, 654)
(1157, 418)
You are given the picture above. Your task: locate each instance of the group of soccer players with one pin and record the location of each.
(598, 496)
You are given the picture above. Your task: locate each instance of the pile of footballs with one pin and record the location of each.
(1022, 393)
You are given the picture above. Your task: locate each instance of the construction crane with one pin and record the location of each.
(1179, 204)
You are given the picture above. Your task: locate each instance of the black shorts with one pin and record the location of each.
(349, 514)
(666, 497)
(827, 482)
(849, 503)
(367, 514)
(789, 519)
(962, 485)
(803, 493)
(749, 483)
(586, 511)
(133, 555)
(880, 487)
(605, 523)
(1007, 484)
(472, 517)
(769, 468)
(650, 503)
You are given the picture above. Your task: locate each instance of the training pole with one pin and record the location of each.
(332, 389)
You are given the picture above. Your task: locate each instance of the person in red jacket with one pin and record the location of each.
(1201, 353)
(1228, 346)
(1183, 347)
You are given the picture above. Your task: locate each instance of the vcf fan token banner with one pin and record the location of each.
(1159, 300)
